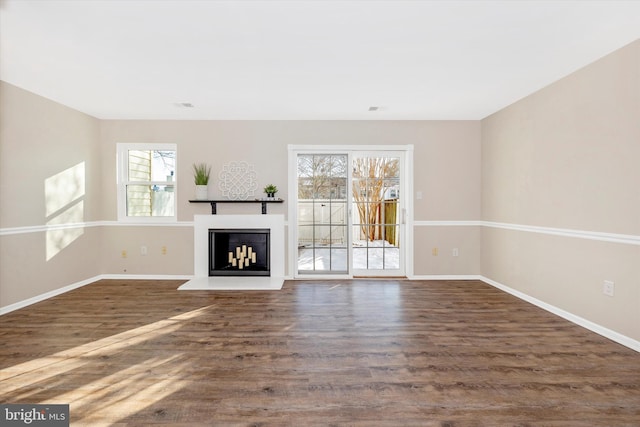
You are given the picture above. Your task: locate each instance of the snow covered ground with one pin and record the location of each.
(376, 255)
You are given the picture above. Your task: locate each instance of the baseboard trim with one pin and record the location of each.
(446, 277)
(593, 327)
(147, 276)
(38, 298)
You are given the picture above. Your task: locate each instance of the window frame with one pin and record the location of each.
(122, 178)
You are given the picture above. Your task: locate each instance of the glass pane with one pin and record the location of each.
(305, 259)
(151, 165)
(305, 236)
(360, 258)
(339, 260)
(375, 258)
(360, 189)
(163, 201)
(338, 235)
(139, 165)
(392, 235)
(321, 211)
(391, 212)
(339, 189)
(360, 235)
(391, 189)
(321, 259)
(338, 212)
(163, 165)
(147, 200)
(391, 258)
(305, 188)
(139, 200)
(305, 166)
(391, 167)
(322, 191)
(305, 213)
(322, 235)
(360, 213)
(339, 166)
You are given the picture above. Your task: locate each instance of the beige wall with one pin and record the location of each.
(176, 259)
(466, 239)
(568, 157)
(447, 166)
(446, 160)
(49, 175)
(72, 174)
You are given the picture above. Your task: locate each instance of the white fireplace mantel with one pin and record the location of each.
(202, 225)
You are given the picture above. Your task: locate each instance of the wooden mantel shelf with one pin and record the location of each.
(215, 202)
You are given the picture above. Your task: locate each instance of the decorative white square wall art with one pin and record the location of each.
(237, 181)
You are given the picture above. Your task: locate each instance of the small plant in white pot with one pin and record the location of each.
(201, 173)
(271, 191)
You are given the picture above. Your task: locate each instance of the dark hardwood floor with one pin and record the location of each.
(364, 353)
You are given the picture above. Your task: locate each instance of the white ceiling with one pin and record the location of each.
(422, 60)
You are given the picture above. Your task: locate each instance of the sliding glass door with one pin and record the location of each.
(349, 213)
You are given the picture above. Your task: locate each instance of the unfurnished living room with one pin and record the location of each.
(315, 212)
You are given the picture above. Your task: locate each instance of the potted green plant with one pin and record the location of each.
(201, 174)
(271, 190)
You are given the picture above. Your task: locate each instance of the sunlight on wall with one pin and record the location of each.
(64, 207)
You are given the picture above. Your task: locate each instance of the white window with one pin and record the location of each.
(147, 182)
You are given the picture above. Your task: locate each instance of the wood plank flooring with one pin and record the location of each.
(361, 353)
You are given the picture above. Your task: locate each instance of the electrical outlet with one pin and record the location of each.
(143, 250)
(124, 253)
(455, 252)
(608, 288)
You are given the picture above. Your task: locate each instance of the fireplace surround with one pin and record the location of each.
(203, 223)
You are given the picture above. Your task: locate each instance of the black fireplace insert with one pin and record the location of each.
(239, 252)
